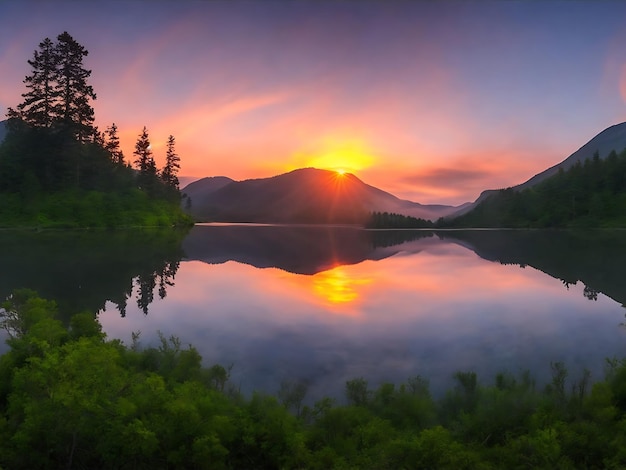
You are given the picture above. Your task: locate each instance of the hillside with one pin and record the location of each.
(199, 190)
(3, 130)
(611, 138)
(589, 194)
(306, 195)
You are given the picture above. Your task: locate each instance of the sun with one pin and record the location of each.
(342, 156)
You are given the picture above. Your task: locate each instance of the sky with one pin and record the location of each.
(431, 101)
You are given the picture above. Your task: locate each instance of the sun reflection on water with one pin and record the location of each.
(338, 286)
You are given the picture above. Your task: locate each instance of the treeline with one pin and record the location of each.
(392, 220)
(71, 398)
(58, 169)
(589, 194)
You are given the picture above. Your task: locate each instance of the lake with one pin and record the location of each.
(327, 304)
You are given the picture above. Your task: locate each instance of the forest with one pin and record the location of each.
(70, 397)
(391, 220)
(589, 194)
(58, 170)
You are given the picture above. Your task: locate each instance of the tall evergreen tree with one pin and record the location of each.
(145, 161)
(73, 106)
(112, 144)
(40, 100)
(172, 164)
(143, 152)
(98, 137)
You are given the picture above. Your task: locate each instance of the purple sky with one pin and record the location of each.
(431, 101)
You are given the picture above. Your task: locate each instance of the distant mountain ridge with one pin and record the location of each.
(611, 138)
(307, 195)
(200, 189)
(579, 192)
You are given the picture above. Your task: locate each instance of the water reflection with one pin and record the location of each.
(594, 257)
(337, 285)
(327, 304)
(83, 270)
(432, 308)
(147, 282)
(296, 249)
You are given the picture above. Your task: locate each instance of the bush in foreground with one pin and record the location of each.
(69, 397)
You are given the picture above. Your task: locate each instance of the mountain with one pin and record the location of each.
(611, 138)
(306, 195)
(587, 193)
(199, 190)
(3, 130)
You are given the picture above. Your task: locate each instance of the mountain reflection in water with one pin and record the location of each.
(327, 304)
(298, 249)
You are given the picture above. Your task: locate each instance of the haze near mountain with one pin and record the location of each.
(306, 195)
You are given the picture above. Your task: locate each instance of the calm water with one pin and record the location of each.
(326, 304)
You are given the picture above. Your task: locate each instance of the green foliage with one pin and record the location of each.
(94, 209)
(71, 398)
(81, 401)
(356, 391)
(56, 170)
(589, 194)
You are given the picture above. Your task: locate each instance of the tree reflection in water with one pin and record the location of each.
(82, 270)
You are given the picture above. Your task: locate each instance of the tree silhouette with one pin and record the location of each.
(71, 85)
(98, 137)
(112, 144)
(172, 165)
(41, 97)
(58, 103)
(57, 168)
(146, 283)
(145, 161)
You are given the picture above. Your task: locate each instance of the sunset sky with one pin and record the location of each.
(433, 102)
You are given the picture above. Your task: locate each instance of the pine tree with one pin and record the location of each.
(172, 165)
(40, 100)
(57, 89)
(74, 93)
(113, 144)
(98, 137)
(144, 161)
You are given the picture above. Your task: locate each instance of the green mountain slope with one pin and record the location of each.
(589, 194)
